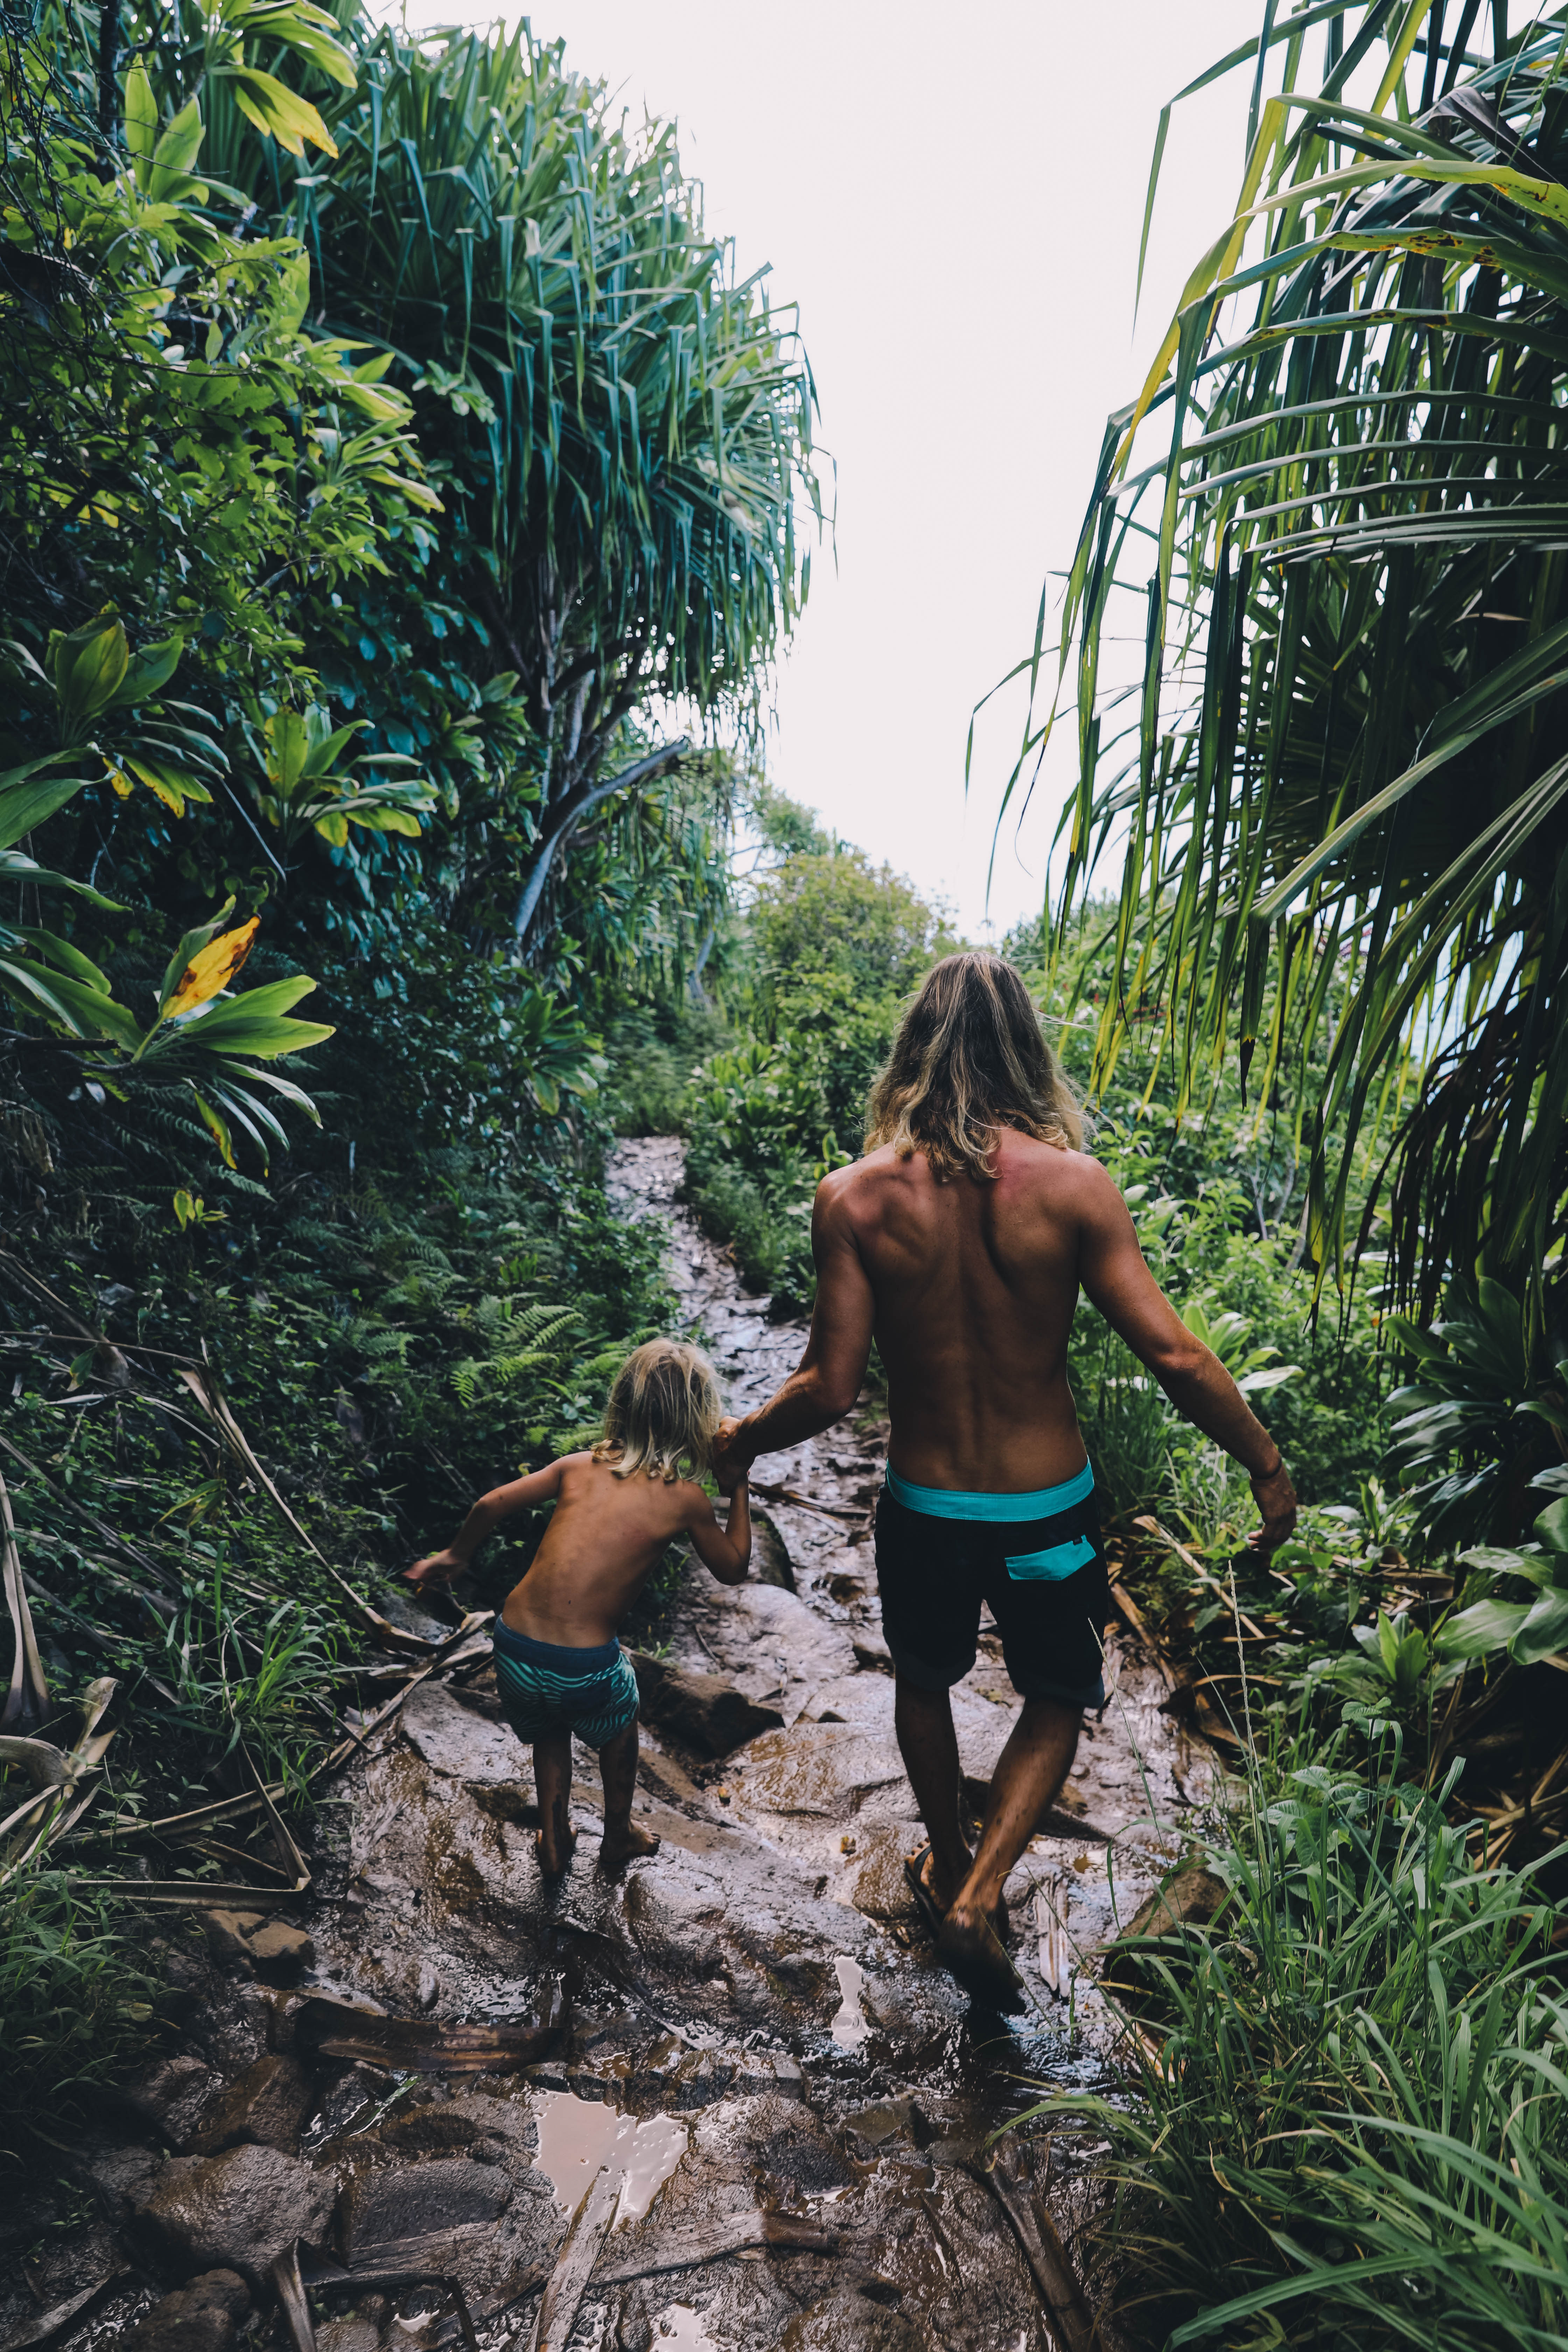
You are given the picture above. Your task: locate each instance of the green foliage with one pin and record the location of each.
(1477, 1422)
(1349, 753)
(78, 2004)
(829, 947)
(1351, 2129)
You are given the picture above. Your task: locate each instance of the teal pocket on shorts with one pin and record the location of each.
(1050, 1566)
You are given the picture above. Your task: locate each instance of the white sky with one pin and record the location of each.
(954, 198)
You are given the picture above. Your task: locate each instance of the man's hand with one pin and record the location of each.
(731, 1462)
(436, 1568)
(1276, 1498)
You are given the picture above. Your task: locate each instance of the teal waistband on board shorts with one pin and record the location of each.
(954, 1503)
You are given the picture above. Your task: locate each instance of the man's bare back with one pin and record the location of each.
(969, 1289)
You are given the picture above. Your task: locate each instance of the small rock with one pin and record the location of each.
(255, 1936)
(429, 2129)
(172, 2096)
(770, 1562)
(237, 2211)
(227, 1932)
(848, 2323)
(269, 2104)
(701, 1710)
(354, 2334)
(121, 2178)
(199, 2317)
(429, 1985)
(282, 1946)
(420, 2202)
(1192, 1899)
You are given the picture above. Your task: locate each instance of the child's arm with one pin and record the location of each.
(725, 1552)
(441, 1566)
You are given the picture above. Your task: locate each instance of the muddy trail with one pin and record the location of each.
(725, 2100)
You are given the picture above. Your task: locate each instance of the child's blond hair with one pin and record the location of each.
(662, 1414)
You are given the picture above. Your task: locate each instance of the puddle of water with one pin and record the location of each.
(849, 2027)
(578, 2135)
(679, 2327)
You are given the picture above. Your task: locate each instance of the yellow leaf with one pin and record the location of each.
(123, 783)
(213, 967)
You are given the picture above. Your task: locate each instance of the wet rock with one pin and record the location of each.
(282, 1950)
(429, 2131)
(171, 2097)
(848, 2322)
(674, 1925)
(121, 2178)
(235, 2211)
(421, 2200)
(770, 1562)
(702, 1711)
(199, 2317)
(456, 1740)
(269, 2105)
(1192, 1899)
(266, 1941)
(772, 1644)
(357, 2332)
(228, 1932)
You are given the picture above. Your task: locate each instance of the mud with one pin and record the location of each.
(767, 2118)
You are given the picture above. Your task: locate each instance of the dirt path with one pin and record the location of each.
(756, 2113)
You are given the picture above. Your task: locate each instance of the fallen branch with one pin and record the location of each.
(805, 1502)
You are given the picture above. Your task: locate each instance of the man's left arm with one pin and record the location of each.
(825, 1384)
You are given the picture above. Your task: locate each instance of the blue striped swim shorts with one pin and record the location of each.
(545, 1689)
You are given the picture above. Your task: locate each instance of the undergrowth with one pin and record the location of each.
(1342, 2121)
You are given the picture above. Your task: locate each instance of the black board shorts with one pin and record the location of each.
(1043, 1573)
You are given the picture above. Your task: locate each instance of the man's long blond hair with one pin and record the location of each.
(662, 1414)
(969, 1059)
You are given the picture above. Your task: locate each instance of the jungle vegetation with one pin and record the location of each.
(401, 504)
(1336, 789)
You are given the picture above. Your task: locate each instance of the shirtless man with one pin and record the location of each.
(960, 1244)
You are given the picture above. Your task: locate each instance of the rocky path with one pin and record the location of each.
(727, 2100)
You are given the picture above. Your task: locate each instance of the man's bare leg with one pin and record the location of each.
(1029, 1773)
(618, 1771)
(552, 1787)
(928, 1745)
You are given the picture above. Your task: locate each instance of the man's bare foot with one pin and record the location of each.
(933, 1890)
(970, 1946)
(556, 1853)
(623, 1844)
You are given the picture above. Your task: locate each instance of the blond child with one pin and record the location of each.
(559, 1664)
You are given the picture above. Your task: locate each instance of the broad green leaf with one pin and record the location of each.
(1477, 1632)
(27, 798)
(1552, 1527)
(140, 121)
(1544, 1632)
(277, 111)
(147, 671)
(87, 665)
(175, 155)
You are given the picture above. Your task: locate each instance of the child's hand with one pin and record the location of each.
(436, 1568)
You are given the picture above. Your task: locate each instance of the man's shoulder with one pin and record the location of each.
(851, 1191)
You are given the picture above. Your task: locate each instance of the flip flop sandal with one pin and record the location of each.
(983, 1968)
(926, 1903)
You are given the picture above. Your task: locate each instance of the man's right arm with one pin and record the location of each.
(1116, 1280)
(825, 1384)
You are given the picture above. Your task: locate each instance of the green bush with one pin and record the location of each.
(1344, 2125)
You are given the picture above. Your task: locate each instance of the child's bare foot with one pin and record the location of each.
(623, 1842)
(555, 1853)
